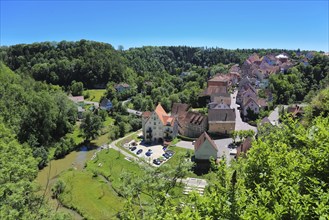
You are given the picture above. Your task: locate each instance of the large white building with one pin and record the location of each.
(158, 126)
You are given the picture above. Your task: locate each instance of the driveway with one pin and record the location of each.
(239, 124)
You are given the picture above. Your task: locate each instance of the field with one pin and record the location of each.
(94, 94)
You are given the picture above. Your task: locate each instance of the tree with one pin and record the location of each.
(91, 126)
(76, 88)
(234, 135)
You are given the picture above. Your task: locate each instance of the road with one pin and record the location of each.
(131, 111)
(113, 146)
(239, 124)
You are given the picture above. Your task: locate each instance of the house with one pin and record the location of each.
(244, 147)
(245, 92)
(190, 124)
(215, 105)
(296, 110)
(221, 121)
(221, 98)
(158, 126)
(205, 148)
(106, 104)
(253, 104)
(80, 112)
(122, 87)
(220, 80)
(215, 90)
(250, 104)
(77, 99)
(193, 124)
(179, 109)
(282, 57)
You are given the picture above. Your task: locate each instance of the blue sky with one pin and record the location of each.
(228, 24)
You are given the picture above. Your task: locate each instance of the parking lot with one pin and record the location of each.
(157, 151)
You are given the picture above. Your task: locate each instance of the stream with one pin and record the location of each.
(76, 160)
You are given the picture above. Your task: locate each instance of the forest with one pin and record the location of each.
(285, 175)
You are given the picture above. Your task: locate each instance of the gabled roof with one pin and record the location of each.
(220, 78)
(215, 90)
(215, 115)
(265, 121)
(179, 109)
(125, 85)
(203, 137)
(146, 114)
(249, 100)
(221, 105)
(77, 98)
(194, 118)
(161, 113)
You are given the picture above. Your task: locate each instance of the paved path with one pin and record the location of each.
(131, 111)
(239, 124)
(274, 116)
(113, 146)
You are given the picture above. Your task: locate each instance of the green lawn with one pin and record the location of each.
(113, 164)
(76, 135)
(91, 196)
(95, 94)
(174, 161)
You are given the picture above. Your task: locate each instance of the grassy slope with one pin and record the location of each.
(92, 196)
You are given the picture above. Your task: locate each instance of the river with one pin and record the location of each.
(76, 160)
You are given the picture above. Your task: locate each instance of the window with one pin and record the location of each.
(155, 123)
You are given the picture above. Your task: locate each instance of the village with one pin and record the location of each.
(237, 105)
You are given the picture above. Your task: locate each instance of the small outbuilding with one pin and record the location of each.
(205, 148)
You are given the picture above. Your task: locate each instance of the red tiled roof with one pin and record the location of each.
(146, 114)
(198, 143)
(161, 113)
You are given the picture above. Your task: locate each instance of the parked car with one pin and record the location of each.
(149, 152)
(166, 155)
(133, 148)
(156, 162)
(139, 151)
(170, 153)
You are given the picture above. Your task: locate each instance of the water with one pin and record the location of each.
(49, 174)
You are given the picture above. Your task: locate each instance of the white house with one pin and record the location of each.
(158, 126)
(251, 104)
